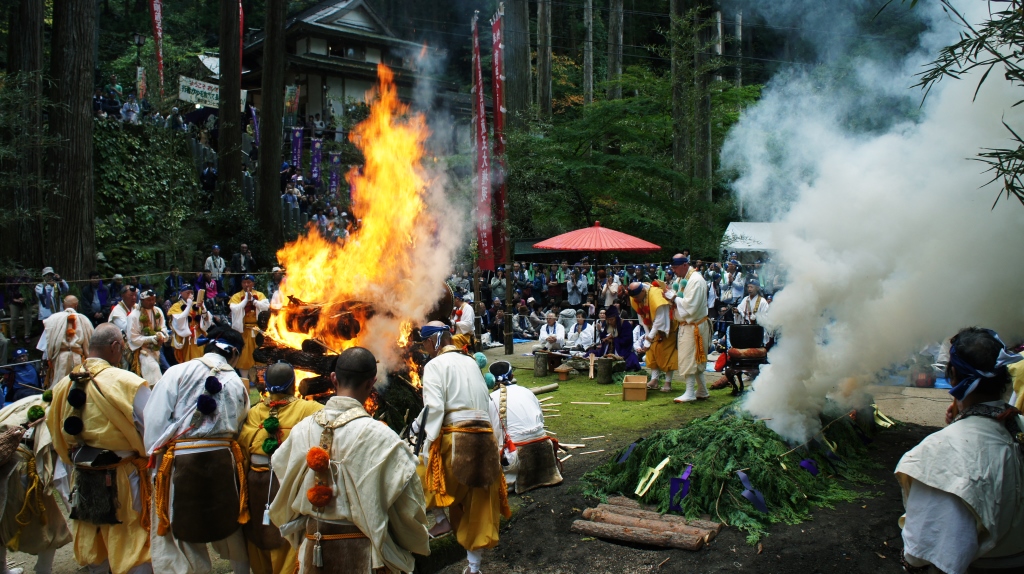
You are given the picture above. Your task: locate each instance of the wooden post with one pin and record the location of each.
(540, 364)
(544, 58)
(614, 49)
(739, 49)
(588, 53)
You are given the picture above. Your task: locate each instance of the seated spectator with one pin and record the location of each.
(21, 378)
(617, 338)
(522, 327)
(580, 336)
(551, 336)
(497, 329)
(567, 316)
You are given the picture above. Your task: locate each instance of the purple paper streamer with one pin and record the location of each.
(754, 496)
(316, 150)
(625, 455)
(681, 487)
(297, 149)
(808, 465)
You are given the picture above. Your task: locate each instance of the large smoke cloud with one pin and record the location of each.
(889, 236)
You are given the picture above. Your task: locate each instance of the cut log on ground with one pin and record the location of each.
(608, 517)
(713, 527)
(545, 389)
(638, 535)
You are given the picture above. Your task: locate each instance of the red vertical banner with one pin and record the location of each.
(484, 230)
(241, 35)
(156, 11)
(498, 88)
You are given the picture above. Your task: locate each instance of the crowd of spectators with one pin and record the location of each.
(578, 293)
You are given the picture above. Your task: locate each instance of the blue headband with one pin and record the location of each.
(226, 345)
(279, 389)
(429, 331)
(969, 376)
(636, 291)
(677, 261)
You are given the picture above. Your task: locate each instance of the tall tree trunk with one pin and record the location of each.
(229, 135)
(702, 116)
(717, 45)
(680, 134)
(10, 238)
(71, 237)
(739, 49)
(272, 125)
(544, 58)
(517, 61)
(588, 53)
(614, 49)
(30, 63)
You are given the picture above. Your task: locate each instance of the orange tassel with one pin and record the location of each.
(318, 459)
(319, 495)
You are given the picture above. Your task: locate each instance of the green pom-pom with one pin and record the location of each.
(489, 379)
(271, 425)
(48, 395)
(35, 412)
(270, 445)
(481, 360)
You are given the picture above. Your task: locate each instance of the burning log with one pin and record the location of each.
(340, 319)
(271, 352)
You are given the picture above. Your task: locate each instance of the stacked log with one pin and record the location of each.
(625, 520)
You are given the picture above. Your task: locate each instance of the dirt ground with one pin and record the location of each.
(853, 537)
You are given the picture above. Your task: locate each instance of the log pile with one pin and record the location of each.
(625, 520)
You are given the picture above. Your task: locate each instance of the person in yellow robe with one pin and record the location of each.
(246, 305)
(267, 426)
(657, 316)
(189, 320)
(95, 421)
(38, 527)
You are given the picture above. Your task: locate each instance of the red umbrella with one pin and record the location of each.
(596, 238)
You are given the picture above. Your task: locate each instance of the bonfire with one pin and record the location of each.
(368, 291)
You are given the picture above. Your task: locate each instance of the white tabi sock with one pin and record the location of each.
(474, 557)
(689, 395)
(655, 373)
(44, 562)
(702, 390)
(3, 561)
(668, 377)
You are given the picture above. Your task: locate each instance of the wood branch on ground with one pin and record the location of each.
(607, 516)
(638, 535)
(713, 527)
(544, 389)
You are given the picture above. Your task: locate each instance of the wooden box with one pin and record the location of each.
(634, 388)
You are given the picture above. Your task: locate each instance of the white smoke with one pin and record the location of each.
(889, 239)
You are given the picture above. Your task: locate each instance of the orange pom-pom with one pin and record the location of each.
(319, 495)
(318, 460)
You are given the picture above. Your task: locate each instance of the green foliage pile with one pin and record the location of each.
(147, 195)
(725, 442)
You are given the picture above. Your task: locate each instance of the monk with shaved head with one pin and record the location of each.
(65, 340)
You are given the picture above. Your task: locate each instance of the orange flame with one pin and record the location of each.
(359, 284)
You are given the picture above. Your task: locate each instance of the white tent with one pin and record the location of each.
(749, 236)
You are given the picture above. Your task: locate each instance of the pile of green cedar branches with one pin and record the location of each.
(730, 441)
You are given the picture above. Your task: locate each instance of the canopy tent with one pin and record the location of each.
(743, 236)
(596, 238)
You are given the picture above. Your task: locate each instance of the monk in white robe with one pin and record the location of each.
(551, 335)
(694, 335)
(147, 331)
(246, 305)
(190, 319)
(962, 485)
(464, 320)
(27, 528)
(193, 419)
(65, 340)
(119, 316)
(369, 510)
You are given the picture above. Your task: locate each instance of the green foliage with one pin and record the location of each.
(725, 442)
(147, 195)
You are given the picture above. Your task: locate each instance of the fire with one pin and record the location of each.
(350, 294)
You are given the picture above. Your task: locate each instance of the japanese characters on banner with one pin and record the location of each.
(297, 147)
(498, 63)
(316, 149)
(156, 12)
(484, 230)
(291, 105)
(335, 177)
(140, 81)
(202, 93)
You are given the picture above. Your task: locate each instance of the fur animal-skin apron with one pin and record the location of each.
(344, 549)
(538, 466)
(475, 461)
(204, 503)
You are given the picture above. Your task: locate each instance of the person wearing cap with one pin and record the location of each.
(215, 263)
(657, 315)
(462, 469)
(962, 485)
(96, 420)
(350, 497)
(193, 419)
(116, 283)
(147, 332)
(528, 455)
(22, 377)
(38, 528)
(190, 320)
(693, 336)
(65, 340)
(50, 293)
(246, 305)
(752, 309)
(267, 426)
(463, 321)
